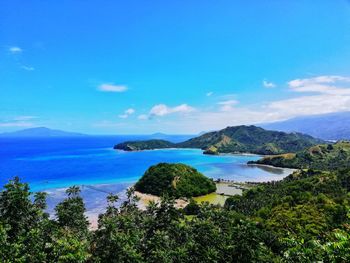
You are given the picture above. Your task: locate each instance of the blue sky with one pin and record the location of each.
(118, 67)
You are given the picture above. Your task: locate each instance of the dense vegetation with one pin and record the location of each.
(237, 139)
(144, 145)
(304, 218)
(321, 157)
(175, 180)
(307, 211)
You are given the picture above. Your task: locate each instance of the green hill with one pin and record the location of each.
(304, 204)
(320, 157)
(144, 145)
(251, 139)
(238, 139)
(176, 180)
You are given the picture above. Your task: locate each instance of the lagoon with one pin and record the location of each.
(52, 164)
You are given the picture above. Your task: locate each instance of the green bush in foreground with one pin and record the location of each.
(304, 218)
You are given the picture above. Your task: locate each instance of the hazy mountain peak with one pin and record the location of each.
(40, 132)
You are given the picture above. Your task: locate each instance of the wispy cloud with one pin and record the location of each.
(127, 113)
(327, 94)
(25, 118)
(17, 124)
(227, 105)
(143, 117)
(209, 93)
(28, 68)
(162, 109)
(308, 96)
(322, 84)
(268, 84)
(19, 121)
(15, 50)
(112, 88)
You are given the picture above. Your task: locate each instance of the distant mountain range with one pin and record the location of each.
(332, 126)
(170, 137)
(41, 132)
(238, 139)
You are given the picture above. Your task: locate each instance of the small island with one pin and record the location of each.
(144, 145)
(175, 180)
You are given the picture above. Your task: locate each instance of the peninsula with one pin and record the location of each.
(237, 139)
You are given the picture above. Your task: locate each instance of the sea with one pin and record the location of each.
(90, 162)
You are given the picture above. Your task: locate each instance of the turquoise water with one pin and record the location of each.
(56, 163)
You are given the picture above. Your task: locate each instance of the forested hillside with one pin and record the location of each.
(238, 139)
(304, 218)
(321, 157)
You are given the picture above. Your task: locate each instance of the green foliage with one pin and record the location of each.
(175, 180)
(144, 145)
(305, 205)
(28, 235)
(192, 208)
(16, 210)
(321, 157)
(70, 212)
(334, 248)
(303, 218)
(250, 139)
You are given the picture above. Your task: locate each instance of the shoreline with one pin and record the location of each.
(271, 166)
(199, 149)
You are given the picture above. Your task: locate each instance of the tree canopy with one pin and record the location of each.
(175, 180)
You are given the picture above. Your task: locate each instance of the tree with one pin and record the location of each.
(70, 212)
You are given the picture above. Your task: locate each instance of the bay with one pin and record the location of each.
(53, 164)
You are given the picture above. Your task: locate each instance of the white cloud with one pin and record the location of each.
(25, 118)
(143, 117)
(268, 84)
(227, 105)
(112, 88)
(209, 93)
(322, 84)
(162, 109)
(127, 113)
(318, 95)
(320, 79)
(16, 124)
(28, 68)
(15, 50)
(328, 95)
(130, 111)
(19, 121)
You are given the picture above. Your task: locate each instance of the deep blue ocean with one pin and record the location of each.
(91, 162)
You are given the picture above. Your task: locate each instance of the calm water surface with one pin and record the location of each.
(54, 163)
